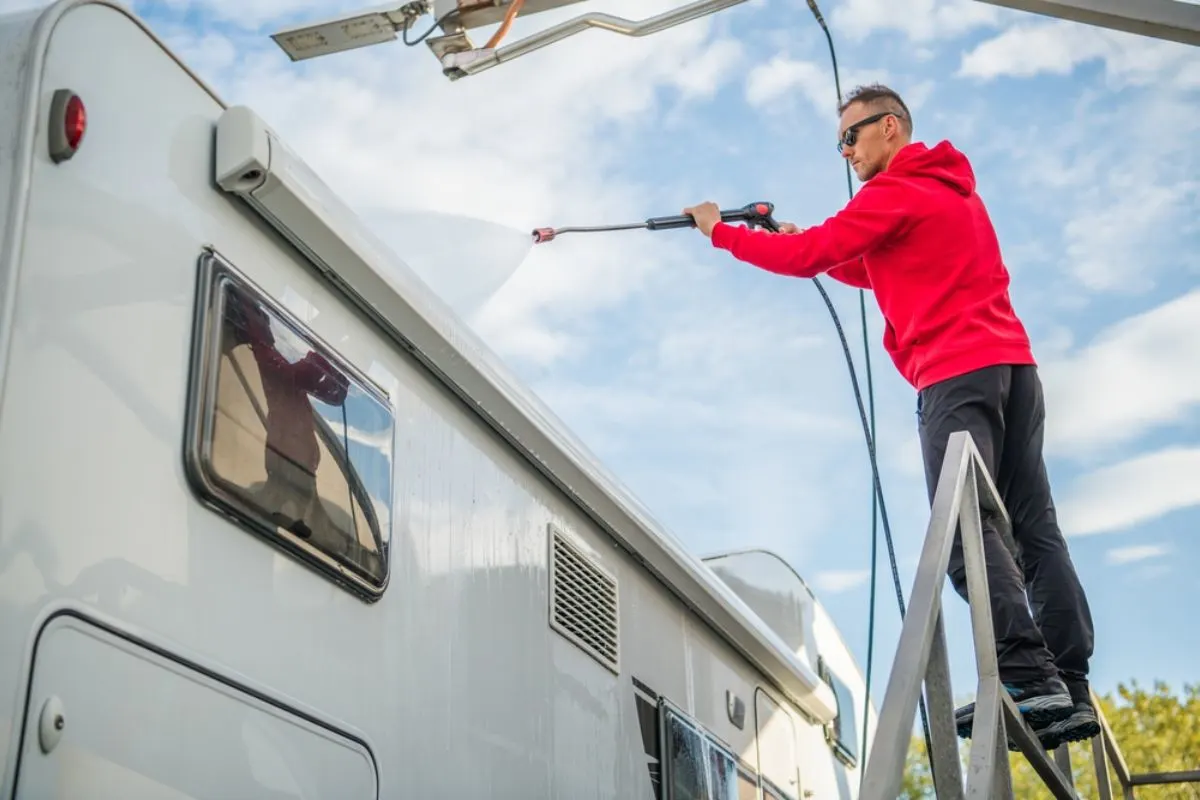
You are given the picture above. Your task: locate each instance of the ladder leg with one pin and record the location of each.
(947, 767)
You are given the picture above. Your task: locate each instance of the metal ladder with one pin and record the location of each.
(965, 488)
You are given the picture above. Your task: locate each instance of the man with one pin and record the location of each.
(920, 238)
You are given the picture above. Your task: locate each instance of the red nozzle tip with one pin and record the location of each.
(761, 208)
(542, 235)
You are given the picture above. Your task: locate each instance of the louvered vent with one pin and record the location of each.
(583, 601)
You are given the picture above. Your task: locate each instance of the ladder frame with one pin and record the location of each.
(965, 490)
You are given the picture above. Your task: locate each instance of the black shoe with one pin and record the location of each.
(1081, 725)
(1041, 703)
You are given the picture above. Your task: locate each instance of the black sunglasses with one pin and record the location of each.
(851, 135)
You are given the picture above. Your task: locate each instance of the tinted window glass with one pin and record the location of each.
(842, 731)
(685, 749)
(723, 774)
(288, 436)
(844, 724)
(729, 780)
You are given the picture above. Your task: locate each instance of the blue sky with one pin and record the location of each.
(718, 392)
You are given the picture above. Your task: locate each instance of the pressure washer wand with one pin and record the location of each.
(754, 215)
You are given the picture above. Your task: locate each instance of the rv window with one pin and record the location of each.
(692, 754)
(685, 749)
(841, 732)
(722, 774)
(286, 436)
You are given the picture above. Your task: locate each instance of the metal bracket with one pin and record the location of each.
(458, 63)
(348, 31)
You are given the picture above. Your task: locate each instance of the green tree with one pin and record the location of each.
(1156, 730)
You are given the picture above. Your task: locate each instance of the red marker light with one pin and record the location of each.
(75, 121)
(68, 124)
(761, 208)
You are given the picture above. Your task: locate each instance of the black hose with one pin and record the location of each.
(877, 502)
(436, 24)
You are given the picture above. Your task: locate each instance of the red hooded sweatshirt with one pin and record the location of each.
(920, 238)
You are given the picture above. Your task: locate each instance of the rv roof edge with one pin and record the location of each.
(293, 200)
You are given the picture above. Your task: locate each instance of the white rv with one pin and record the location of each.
(275, 524)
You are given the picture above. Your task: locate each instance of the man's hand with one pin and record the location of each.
(707, 215)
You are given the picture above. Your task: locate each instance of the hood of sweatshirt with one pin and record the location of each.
(942, 162)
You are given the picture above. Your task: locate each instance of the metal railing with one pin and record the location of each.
(964, 489)
(1105, 750)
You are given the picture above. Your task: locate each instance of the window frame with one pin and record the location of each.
(846, 753)
(214, 274)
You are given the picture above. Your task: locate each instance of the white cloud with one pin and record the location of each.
(703, 75)
(1105, 238)
(1124, 194)
(1134, 553)
(835, 581)
(920, 20)
(770, 83)
(1132, 492)
(1057, 47)
(777, 83)
(1134, 377)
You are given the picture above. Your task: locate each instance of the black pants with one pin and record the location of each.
(1003, 410)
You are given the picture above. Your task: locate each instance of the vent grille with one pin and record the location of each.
(583, 601)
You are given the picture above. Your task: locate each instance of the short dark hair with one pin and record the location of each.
(880, 98)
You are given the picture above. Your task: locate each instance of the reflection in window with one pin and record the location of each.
(686, 751)
(288, 437)
(723, 774)
(729, 780)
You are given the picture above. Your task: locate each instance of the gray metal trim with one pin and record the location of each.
(1162, 778)
(1170, 20)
